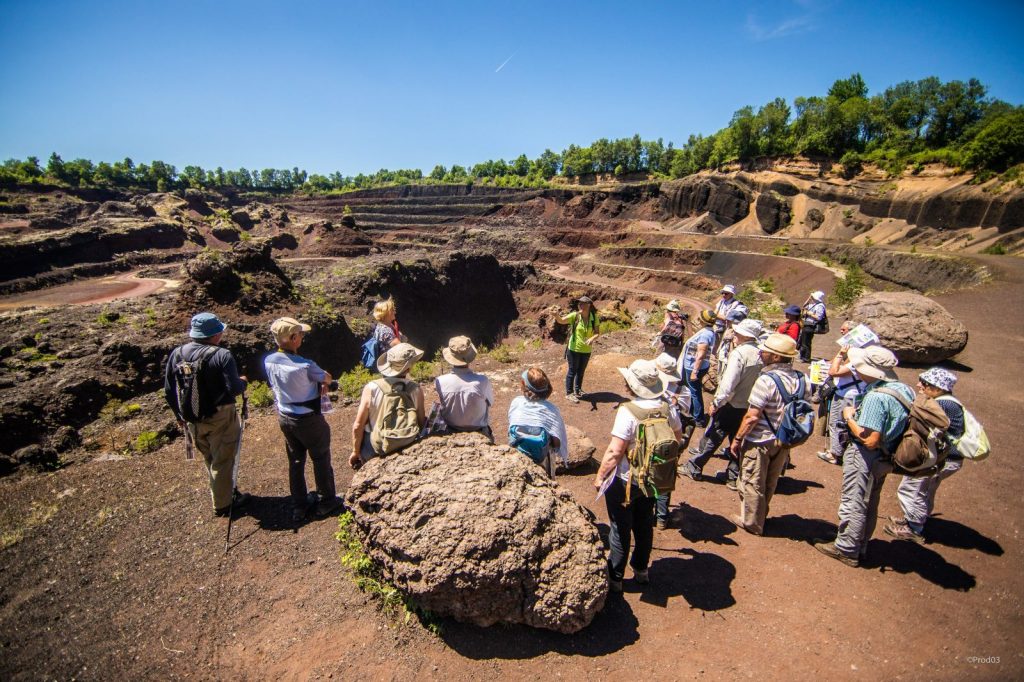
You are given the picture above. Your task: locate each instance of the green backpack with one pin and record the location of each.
(654, 458)
(397, 425)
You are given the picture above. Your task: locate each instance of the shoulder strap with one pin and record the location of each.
(787, 397)
(383, 385)
(895, 394)
(948, 397)
(641, 413)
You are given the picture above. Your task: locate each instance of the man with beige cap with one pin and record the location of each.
(813, 313)
(876, 426)
(762, 458)
(298, 384)
(394, 366)
(465, 396)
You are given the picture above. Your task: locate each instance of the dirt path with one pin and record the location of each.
(119, 573)
(87, 291)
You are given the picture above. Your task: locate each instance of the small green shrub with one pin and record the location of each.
(107, 318)
(994, 250)
(848, 213)
(503, 354)
(765, 284)
(260, 394)
(147, 441)
(423, 371)
(781, 251)
(849, 287)
(351, 383)
(609, 326)
(869, 242)
(44, 320)
(827, 260)
(118, 411)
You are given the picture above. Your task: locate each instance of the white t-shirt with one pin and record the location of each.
(625, 427)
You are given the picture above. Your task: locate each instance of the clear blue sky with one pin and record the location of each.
(357, 86)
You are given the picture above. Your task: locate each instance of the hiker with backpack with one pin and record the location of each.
(877, 423)
(201, 382)
(778, 418)
(465, 396)
(298, 386)
(583, 331)
(791, 327)
(390, 413)
(695, 361)
(677, 399)
(385, 334)
(535, 425)
(670, 338)
(639, 464)
(815, 321)
(917, 493)
(840, 389)
(729, 405)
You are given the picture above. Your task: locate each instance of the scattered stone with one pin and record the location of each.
(65, 438)
(474, 531)
(814, 218)
(914, 327)
(581, 449)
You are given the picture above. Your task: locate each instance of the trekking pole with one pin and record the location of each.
(234, 471)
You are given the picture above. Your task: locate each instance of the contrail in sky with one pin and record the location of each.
(506, 62)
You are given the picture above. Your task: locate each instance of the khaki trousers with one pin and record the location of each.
(217, 438)
(760, 468)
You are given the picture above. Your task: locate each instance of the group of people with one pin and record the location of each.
(756, 381)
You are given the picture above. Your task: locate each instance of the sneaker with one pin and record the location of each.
(826, 456)
(238, 500)
(571, 397)
(829, 549)
(732, 484)
(692, 473)
(641, 577)
(694, 451)
(661, 524)
(329, 506)
(614, 586)
(902, 531)
(580, 394)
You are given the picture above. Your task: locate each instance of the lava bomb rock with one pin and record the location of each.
(581, 449)
(914, 327)
(478, 532)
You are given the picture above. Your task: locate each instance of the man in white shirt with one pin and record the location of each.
(465, 396)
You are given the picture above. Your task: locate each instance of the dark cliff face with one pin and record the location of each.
(725, 200)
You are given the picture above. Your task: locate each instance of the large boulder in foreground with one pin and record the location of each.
(914, 327)
(479, 533)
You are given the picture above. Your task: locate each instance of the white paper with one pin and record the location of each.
(858, 337)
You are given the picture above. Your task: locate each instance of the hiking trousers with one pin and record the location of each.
(636, 519)
(725, 424)
(696, 395)
(760, 467)
(838, 432)
(917, 495)
(217, 439)
(577, 368)
(806, 337)
(308, 435)
(864, 472)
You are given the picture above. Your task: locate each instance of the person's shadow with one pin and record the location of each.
(703, 579)
(954, 534)
(696, 525)
(603, 397)
(910, 557)
(794, 486)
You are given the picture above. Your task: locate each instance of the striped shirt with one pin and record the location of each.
(883, 413)
(765, 397)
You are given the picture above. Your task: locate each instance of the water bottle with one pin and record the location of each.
(326, 406)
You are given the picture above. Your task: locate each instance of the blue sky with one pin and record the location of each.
(357, 86)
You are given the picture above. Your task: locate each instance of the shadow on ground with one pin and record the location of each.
(954, 534)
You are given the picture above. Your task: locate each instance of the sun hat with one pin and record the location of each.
(644, 379)
(283, 327)
(729, 288)
(673, 306)
(791, 310)
(779, 344)
(737, 314)
(460, 351)
(708, 316)
(818, 296)
(941, 379)
(398, 359)
(205, 326)
(584, 299)
(873, 362)
(668, 367)
(749, 328)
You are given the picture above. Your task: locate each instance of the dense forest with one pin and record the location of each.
(908, 124)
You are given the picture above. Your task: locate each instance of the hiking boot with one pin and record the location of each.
(692, 472)
(738, 520)
(572, 398)
(694, 451)
(661, 524)
(641, 577)
(826, 456)
(238, 499)
(732, 484)
(615, 586)
(329, 506)
(299, 514)
(903, 531)
(829, 549)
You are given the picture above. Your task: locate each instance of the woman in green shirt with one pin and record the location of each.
(582, 332)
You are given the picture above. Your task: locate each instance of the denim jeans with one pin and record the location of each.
(696, 394)
(577, 367)
(636, 519)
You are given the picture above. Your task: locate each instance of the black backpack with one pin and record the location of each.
(194, 401)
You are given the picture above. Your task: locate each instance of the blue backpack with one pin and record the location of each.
(371, 350)
(532, 441)
(797, 423)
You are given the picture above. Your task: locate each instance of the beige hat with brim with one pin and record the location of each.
(283, 327)
(398, 359)
(779, 344)
(460, 351)
(874, 362)
(644, 379)
(668, 368)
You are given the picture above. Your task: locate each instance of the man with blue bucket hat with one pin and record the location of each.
(201, 382)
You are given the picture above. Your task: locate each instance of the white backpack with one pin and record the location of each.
(974, 443)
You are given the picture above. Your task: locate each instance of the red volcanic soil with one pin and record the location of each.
(115, 569)
(87, 291)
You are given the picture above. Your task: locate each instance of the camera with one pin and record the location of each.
(333, 386)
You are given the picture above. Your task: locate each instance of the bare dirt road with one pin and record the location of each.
(87, 291)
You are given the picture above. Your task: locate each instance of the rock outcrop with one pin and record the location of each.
(914, 327)
(581, 449)
(473, 531)
(246, 276)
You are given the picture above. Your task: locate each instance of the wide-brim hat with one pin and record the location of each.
(674, 307)
(668, 368)
(728, 289)
(791, 310)
(749, 328)
(874, 362)
(460, 351)
(707, 316)
(779, 344)
(584, 299)
(644, 379)
(284, 327)
(398, 359)
(205, 326)
(818, 296)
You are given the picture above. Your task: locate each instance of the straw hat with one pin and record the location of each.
(644, 379)
(398, 359)
(460, 351)
(708, 316)
(779, 344)
(874, 362)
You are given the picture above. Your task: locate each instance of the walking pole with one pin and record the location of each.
(234, 472)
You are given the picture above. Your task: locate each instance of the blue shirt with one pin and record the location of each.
(883, 413)
(704, 335)
(294, 380)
